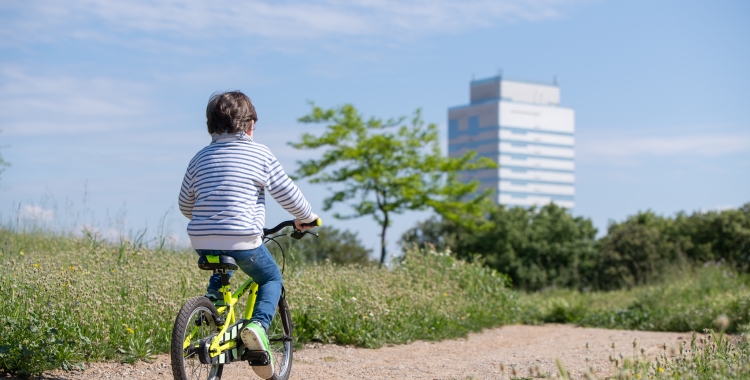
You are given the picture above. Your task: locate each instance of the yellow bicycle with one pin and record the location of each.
(206, 337)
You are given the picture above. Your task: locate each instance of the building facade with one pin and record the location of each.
(521, 127)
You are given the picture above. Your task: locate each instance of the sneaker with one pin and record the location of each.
(255, 339)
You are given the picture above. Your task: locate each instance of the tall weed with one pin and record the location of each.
(689, 300)
(68, 300)
(429, 296)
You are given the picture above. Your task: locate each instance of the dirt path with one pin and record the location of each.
(479, 356)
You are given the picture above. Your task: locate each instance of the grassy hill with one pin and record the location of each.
(67, 300)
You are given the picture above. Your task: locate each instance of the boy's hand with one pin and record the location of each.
(298, 223)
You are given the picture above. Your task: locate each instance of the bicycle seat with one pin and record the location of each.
(211, 262)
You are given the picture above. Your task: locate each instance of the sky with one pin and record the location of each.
(102, 104)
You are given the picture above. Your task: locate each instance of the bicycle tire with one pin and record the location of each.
(281, 340)
(190, 368)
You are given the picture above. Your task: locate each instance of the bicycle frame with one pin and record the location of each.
(230, 299)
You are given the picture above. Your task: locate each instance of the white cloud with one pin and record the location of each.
(616, 147)
(32, 104)
(36, 213)
(88, 19)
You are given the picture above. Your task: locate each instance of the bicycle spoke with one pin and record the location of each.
(195, 325)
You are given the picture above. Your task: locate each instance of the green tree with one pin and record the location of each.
(387, 167)
(536, 247)
(715, 236)
(549, 247)
(642, 248)
(433, 232)
(635, 252)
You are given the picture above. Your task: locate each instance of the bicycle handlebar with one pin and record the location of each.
(290, 223)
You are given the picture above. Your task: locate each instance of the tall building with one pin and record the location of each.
(522, 128)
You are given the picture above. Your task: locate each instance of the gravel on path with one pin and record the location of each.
(480, 356)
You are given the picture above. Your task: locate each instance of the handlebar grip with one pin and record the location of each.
(315, 223)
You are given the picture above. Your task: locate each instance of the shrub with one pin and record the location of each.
(637, 250)
(633, 253)
(537, 248)
(715, 236)
(548, 247)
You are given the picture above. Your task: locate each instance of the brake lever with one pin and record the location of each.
(297, 234)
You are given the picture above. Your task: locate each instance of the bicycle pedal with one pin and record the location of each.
(257, 358)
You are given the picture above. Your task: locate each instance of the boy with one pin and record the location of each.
(223, 195)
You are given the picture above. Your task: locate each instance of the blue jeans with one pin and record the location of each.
(260, 266)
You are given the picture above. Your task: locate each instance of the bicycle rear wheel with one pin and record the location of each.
(195, 321)
(280, 340)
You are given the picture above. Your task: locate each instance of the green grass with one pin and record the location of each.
(717, 356)
(65, 300)
(430, 296)
(690, 300)
(711, 356)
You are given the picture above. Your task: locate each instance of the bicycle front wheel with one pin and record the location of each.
(280, 340)
(195, 322)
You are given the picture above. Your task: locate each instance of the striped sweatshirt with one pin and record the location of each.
(223, 193)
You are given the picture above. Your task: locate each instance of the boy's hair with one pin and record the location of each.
(229, 112)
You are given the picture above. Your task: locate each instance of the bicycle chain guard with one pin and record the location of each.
(254, 358)
(233, 354)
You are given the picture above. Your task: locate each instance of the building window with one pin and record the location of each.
(474, 122)
(453, 125)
